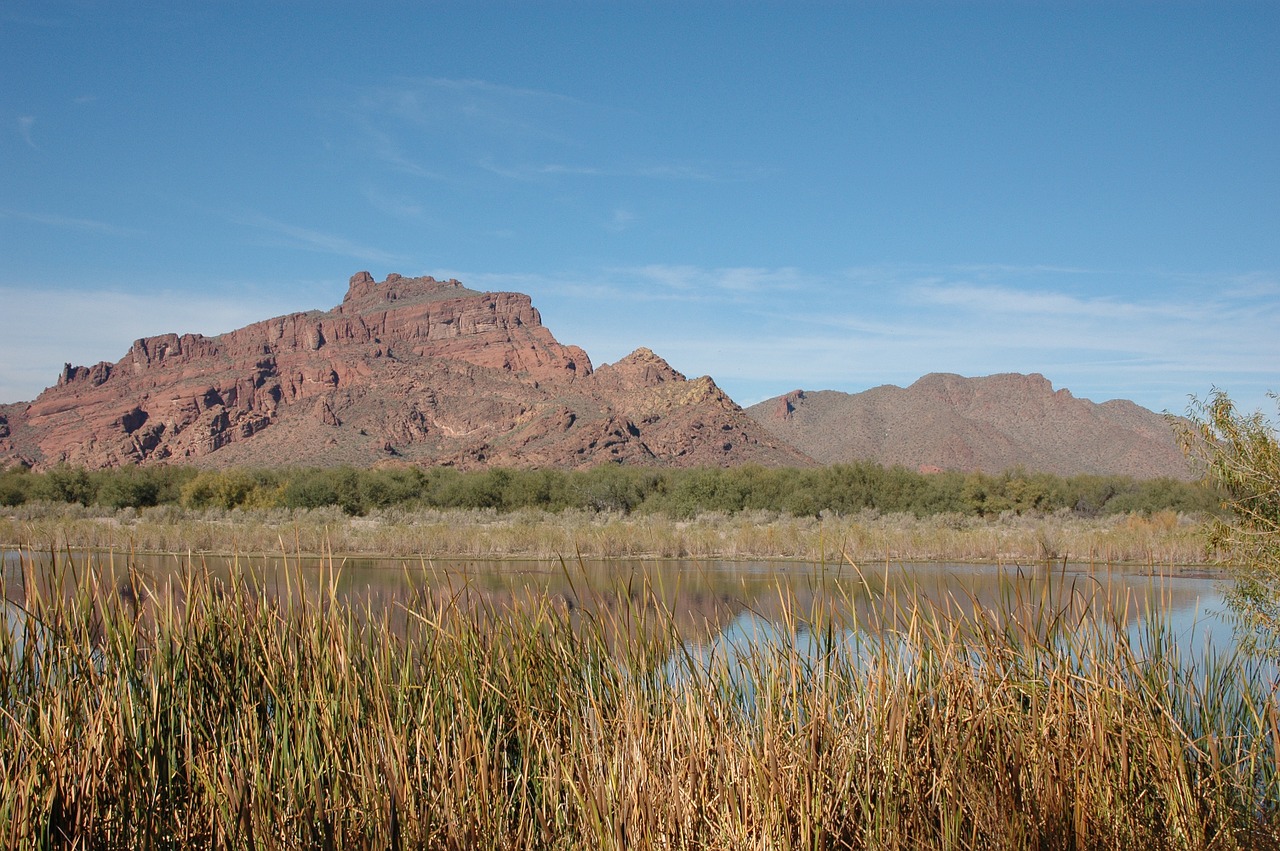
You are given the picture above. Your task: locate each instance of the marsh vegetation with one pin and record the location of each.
(233, 712)
(1162, 538)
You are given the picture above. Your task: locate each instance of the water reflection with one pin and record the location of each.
(719, 608)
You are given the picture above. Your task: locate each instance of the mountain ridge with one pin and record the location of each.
(416, 370)
(945, 421)
(406, 369)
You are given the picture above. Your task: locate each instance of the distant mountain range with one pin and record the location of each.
(415, 370)
(947, 422)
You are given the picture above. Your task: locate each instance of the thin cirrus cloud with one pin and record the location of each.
(440, 129)
(1007, 300)
(392, 205)
(26, 124)
(763, 331)
(620, 220)
(67, 222)
(712, 283)
(306, 239)
(960, 316)
(671, 172)
(440, 117)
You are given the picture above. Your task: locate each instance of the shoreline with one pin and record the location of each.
(1162, 539)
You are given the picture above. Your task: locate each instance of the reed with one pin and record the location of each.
(1163, 538)
(270, 714)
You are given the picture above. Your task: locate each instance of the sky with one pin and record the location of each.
(807, 195)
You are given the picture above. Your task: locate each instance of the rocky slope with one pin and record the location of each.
(991, 424)
(407, 368)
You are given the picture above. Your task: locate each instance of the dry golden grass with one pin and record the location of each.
(1163, 538)
(227, 714)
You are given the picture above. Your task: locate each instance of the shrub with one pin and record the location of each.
(65, 483)
(1240, 455)
(228, 489)
(15, 486)
(129, 487)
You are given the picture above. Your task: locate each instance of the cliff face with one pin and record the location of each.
(991, 424)
(410, 368)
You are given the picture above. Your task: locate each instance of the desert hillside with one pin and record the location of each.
(948, 422)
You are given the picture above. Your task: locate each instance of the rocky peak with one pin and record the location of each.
(95, 374)
(787, 405)
(364, 294)
(642, 368)
(424, 370)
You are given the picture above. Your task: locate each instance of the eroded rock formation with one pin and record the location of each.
(410, 368)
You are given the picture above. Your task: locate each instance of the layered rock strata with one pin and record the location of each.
(412, 369)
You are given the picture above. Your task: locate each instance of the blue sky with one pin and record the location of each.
(780, 195)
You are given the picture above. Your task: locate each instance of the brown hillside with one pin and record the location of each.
(413, 369)
(991, 424)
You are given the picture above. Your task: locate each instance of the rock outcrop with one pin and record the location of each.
(416, 369)
(947, 422)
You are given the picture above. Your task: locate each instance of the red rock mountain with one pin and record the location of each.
(991, 424)
(417, 369)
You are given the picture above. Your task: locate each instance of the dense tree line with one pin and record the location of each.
(840, 488)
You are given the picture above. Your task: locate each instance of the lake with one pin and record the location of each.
(725, 604)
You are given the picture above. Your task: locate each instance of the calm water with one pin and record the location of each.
(719, 604)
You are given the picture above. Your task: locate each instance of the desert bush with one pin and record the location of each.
(387, 487)
(130, 487)
(65, 483)
(15, 486)
(839, 489)
(1239, 454)
(317, 488)
(228, 489)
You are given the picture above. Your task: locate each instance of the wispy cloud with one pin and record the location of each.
(393, 205)
(621, 219)
(452, 129)
(429, 101)
(388, 150)
(26, 123)
(306, 239)
(68, 222)
(669, 172)
(731, 280)
(1044, 303)
(763, 331)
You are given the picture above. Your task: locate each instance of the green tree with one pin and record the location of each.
(1239, 454)
(228, 489)
(15, 485)
(128, 487)
(68, 484)
(608, 487)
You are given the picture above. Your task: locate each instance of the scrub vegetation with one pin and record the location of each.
(1239, 455)
(865, 512)
(678, 493)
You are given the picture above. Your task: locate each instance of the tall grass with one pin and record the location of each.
(245, 713)
(1162, 538)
